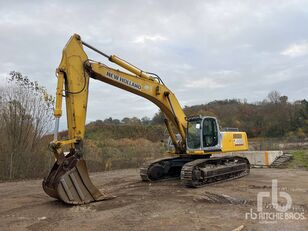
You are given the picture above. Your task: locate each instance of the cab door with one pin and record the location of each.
(211, 138)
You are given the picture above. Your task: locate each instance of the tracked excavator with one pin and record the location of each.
(191, 159)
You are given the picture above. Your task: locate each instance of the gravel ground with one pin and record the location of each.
(158, 206)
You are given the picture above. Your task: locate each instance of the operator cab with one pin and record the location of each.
(203, 134)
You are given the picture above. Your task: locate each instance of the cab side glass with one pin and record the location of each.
(194, 134)
(209, 132)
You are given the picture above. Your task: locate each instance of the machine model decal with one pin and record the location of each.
(238, 139)
(238, 142)
(122, 80)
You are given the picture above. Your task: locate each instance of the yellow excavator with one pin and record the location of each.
(191, 159)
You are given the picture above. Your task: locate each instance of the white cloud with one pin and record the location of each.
(214, 80)
(146, 38)
(296, 50)
(205, 83)
(279, 76)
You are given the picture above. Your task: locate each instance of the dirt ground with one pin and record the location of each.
(156, 206)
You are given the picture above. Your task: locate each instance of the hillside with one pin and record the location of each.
(114, 144)
(269, 118)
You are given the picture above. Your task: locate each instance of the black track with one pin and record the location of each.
(196, 172)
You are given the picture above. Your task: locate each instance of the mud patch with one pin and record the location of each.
(44, 225)
(283, 188)
(260, 186)
(82, 209)
(214, 198)
(116, 203)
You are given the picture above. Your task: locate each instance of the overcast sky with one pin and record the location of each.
(203, 50)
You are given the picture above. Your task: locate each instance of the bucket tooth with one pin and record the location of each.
(69, 182)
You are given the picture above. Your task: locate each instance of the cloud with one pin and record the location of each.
(296, 50)
(149, 38)
(205, 83)
(213, 80)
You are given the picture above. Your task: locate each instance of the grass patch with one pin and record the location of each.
(110, 154)
(300, 159)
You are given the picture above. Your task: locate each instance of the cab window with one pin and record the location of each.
(194, 134)
(209, 132)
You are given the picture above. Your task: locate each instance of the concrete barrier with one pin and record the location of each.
(256, 158)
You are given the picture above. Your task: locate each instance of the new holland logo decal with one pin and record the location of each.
(123, 80)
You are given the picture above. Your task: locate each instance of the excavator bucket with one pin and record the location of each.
(69, 182)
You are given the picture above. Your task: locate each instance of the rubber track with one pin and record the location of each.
(187, 173)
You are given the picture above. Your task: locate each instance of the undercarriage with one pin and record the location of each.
(196, 171)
